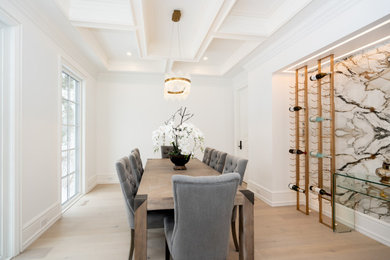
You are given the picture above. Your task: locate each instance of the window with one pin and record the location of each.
(70, 145)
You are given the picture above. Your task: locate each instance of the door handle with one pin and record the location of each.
(240, 145)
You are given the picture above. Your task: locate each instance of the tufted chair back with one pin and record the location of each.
(129, 188)
(134, 167)
(165, 150)
(203, 208)
(217, 160)
(207, 155)
(139, 161)
(235, 164)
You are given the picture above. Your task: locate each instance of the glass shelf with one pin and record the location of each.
(348, 191)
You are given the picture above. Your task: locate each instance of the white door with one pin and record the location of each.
(241, 127)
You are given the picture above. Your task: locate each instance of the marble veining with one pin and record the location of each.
(362, 101)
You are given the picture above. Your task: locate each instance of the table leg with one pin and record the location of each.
(246, 232)
(140, 227)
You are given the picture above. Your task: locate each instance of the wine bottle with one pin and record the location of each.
(318, 119)
(295, 188)
(318, 76)
(296, 151)
(319, 190)
(294, 109)
(319, 155)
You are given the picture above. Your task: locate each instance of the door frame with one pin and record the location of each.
(11, 137)
(236, 115)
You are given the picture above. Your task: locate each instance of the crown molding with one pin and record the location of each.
(38, 18)
(303, 24)
(242, 37)
(107, 26)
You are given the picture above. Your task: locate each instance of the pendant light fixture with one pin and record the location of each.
(177, 84)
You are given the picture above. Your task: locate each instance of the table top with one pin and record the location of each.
(156, 181)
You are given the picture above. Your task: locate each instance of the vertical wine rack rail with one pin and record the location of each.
(325, 134)
(304, 142)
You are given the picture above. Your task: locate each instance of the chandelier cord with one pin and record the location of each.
(178, 40)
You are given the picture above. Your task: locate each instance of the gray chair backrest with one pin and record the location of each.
(235, 164)
(165, 150)
(139, 161)
(135, 167)
(129, 188)
(203, 209)
(207, 155)
(217, 160)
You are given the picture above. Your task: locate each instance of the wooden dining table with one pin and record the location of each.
(155, 193)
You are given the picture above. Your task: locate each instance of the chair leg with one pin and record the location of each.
(131, 245)
(167, 253)
(233, 227)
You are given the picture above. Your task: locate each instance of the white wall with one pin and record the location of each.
(130, 107)
(39, 156)
(268, 128)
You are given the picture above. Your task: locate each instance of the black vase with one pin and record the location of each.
(179, 161)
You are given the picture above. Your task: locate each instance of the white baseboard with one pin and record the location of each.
(91, 183)
(35, 227)
(365, 224)
(107, 178)
(272, 198)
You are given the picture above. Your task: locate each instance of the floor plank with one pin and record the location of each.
(96, 228)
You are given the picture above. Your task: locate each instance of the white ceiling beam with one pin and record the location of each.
(242, 37)
(221, 16)
(96, 25)
(138, 17)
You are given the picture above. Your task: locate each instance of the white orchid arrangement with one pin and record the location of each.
(176, 131)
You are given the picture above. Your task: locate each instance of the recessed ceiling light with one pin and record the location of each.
(205, 58)
(128, 53)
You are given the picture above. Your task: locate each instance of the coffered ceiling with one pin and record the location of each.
(139, 36)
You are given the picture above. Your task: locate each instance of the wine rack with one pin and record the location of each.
(314, 127)
(302, 142)
(325, 131)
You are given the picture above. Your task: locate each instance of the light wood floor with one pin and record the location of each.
(96, 228)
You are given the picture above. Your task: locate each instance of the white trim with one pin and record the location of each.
(68, 68)
(91, 183)
(73, 51)
(272, 198)
(12, 135)
(365, 224)
(40, 223)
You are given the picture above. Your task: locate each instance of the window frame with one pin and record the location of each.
(79, 142)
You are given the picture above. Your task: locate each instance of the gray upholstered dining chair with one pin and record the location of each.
(129, 188)
(235, 164)
(207, 155)
(165, 150)
(217, 160)
(139, 160)
(135, 167)
(203, 207)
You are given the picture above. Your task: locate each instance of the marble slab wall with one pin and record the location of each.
(362, 103)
